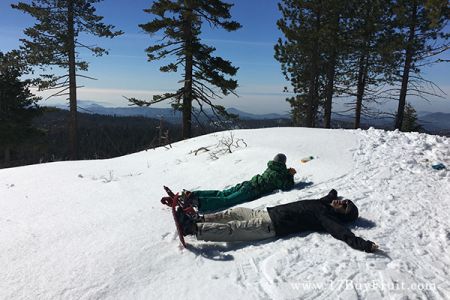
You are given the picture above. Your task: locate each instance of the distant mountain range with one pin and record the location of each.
(168, 114)
(436, 120)
(430, 121)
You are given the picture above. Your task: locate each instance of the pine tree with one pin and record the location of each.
(422, 27)
(311, 54)
(333, 34)
(180, 22)
(372, 60)
(335, 51)
(410, 121)
(18, 106)
(54, 41)
(299, 53)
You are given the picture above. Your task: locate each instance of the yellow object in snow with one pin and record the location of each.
(306, 159)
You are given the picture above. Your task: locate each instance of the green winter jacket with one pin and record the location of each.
(275, 177)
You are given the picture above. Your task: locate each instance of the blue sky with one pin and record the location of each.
(126, 72)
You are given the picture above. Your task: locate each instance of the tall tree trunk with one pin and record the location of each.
(73, 123)
(406, 68)
(331, 71)
(329, 90)
(360, 91)
(312, 93)
(316, 99)
(310, 106)
(187, 96)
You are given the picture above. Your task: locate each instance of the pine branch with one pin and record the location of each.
(60, 93)
(202, 86)
(84, 76)
(156, 99)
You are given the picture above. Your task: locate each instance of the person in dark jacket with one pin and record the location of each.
(275, 177)
(243, 224)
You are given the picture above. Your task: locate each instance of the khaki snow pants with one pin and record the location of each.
(236, 224)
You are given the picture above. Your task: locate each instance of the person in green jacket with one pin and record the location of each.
(275, 177)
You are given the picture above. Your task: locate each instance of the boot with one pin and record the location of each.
(188, 199)
(187, 223)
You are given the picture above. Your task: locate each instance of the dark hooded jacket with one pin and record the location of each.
(315, 215)
(275, 177)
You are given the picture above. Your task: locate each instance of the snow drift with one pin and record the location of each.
(96, 229)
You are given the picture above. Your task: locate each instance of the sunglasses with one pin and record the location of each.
(344, 203)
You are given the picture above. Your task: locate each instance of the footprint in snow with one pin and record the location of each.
(164, 235)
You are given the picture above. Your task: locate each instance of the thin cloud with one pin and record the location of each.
(94, 92)
(119, 91)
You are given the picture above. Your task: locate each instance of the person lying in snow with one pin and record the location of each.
(276, 176)
(245, 224)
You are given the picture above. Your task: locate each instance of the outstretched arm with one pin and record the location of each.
(288, 179)
(332, 195)
(342, 233)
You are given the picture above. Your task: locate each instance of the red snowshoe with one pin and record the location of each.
(175, 218)
(184, 200)
(168, 200)
(187, 215)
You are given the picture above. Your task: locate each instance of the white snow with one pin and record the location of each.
(96, 229)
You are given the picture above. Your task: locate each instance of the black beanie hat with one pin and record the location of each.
(280, 157)
(351, 213)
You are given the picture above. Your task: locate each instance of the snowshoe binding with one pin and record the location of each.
(185, 200)
(184, 215)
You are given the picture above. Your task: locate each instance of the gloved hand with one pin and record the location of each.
(371, 247)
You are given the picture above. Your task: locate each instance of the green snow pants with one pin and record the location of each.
(213, 200)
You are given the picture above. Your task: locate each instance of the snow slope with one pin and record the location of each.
(96, 229)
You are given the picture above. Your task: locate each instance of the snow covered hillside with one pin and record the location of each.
(96, 229)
